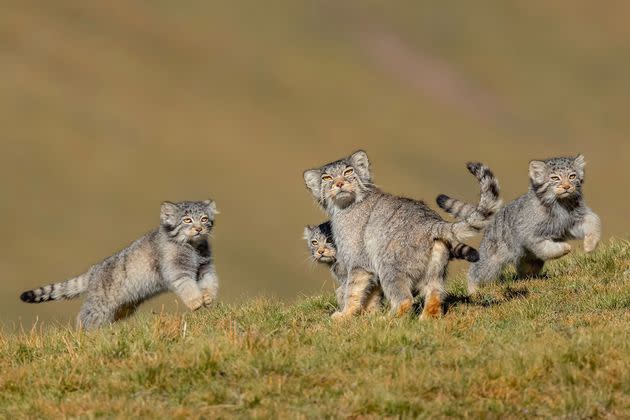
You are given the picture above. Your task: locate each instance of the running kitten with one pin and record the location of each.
(396, 242)
(177, 257)
(532, 229)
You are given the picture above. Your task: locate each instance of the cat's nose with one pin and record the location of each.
(566, 186)
(339, 183)
(198, 228)
(320, 251)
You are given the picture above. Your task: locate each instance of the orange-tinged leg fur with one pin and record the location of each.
(373, 300)
(434, 289)
(359, 281)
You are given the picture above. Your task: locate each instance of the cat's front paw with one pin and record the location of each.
(194, 304)
(590, 242)
(338, 316)
(207, 297)
(565, 249)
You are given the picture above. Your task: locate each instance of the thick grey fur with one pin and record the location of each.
(533, 228)
(177, 257)
(396, 242)
(322, 249)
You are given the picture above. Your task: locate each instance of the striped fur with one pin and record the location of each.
(68, 289)
(175, 257)
(489, 202)
(462, 251)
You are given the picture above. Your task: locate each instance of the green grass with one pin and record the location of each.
(551, 347)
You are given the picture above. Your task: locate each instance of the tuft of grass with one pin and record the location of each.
(552, 347)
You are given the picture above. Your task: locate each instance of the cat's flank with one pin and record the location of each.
(398, 243)
(177, 257)
(533, 228)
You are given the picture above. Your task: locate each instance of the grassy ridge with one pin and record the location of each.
(548, 347)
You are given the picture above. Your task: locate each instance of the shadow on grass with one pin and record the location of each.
(484, 300)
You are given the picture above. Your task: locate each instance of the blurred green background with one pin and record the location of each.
(109, 108)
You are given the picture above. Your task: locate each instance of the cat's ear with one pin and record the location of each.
(169, 212)
(579, 163)
(537, 171)
(361, 164)
(313, 181)
(212, 206)
(307, 231)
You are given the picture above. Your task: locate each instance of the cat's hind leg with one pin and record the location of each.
(434, 277)
(487, 269)
(94, 314)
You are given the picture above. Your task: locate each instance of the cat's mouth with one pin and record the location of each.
(325, 258)
(344, 198)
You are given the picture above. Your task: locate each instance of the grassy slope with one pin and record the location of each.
(544, 347)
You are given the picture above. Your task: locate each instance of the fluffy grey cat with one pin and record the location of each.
(395, 242)
(533, 228)
(177, 257)
(322, 248)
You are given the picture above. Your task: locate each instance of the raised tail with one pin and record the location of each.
(489, 202)
(65, 290)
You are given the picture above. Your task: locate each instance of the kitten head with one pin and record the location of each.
(188, 221)
(557, 178)
(320, 243)
(340, 183)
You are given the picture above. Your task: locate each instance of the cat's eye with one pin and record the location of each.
(314, 242)
(326, 177)
(187, 220)
(348, 172)
(572, 176)
(555, 178)
(204, 219)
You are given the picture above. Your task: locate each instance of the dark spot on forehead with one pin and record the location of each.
(561, 163)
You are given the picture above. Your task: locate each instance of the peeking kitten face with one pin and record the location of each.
(188, 221)
(557, 178)
(320, 243)
(340, 183)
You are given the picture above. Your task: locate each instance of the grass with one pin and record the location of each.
(548, 347)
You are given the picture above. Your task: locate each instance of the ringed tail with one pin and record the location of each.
(462, 251)
(64, 290)
(489, 200)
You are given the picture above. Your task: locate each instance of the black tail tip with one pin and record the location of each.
(441, 200)
(472, 255)
(28, 297)
(474, 167)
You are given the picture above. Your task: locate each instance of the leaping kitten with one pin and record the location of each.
(532, 229)
(177, 256)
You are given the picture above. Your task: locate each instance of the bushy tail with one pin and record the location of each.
(464, 252)
(65, 290)
(489, 201)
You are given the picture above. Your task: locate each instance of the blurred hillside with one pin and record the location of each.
(109, 108)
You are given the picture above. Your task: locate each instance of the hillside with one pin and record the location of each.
(551, 347)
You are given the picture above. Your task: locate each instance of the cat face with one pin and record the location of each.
(557, 178)
(340, 183)
(320, 243)
(188, 221)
